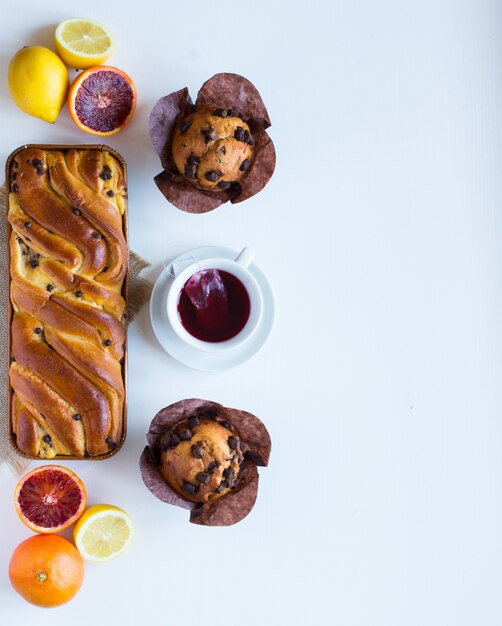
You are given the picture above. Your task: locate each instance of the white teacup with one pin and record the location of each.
(239, 268)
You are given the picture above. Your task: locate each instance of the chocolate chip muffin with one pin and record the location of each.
(200, 458)
(213, 148)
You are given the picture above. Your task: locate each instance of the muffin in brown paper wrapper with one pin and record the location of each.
(226, 91)
(255, 444)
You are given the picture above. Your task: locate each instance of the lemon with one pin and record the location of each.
(38, 82)
(103, 532)
(83, 43)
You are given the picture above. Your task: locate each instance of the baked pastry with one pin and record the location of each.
(198, 175)
(213, 148)
(200, 458)
(203, 457)
(68, 262)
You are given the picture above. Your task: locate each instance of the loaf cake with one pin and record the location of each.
(200, 458)
(68, 263)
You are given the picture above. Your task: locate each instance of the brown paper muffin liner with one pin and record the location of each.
(255, 444)
(224, 90)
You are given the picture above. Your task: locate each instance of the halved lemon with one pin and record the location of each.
(83, 43)
(103, 532)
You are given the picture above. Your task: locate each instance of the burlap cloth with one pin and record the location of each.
(139, 293)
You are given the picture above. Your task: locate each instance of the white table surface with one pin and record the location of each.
(381, 383)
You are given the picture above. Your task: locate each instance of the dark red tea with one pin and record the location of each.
(214, 305)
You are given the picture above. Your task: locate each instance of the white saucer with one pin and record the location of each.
(208, 361)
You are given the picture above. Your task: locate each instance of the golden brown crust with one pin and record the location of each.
(68, 261)
(201, 460)
(212, 151)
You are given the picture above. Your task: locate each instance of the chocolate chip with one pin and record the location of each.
(77, 417)
(250, 141)
(221, 487)
(226, 425)
(37, 164)
(19, 240)
(203, 478)
(184, 126)
(209, 134)
(211, 468)
(107, 342)
(223, 150)
(239, 133)
(233, 113)
(38, 330)
(112, 445)
(49, 287)
(185, 434)
(233, 443)
(197, 451)
(170, 440)
(191, 166)
(193, 421)
(109, 440)
(27, 224)
(224, 184)
(188, 487)
(247, 135)
(245, 165)
(13, 176)
(106, 173)
(78, 293)
(47, 438)
(229, 473)
(15, 187)
(212, 176)
(220, 113)
(76, 212)
(110, 193)
(96, 235)
(33, 263)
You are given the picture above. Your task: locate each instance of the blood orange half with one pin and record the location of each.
(102, 100)
(49, 498)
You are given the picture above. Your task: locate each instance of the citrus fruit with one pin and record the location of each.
(47, 570)
(83, 43)
(103, 532)
(102, 100)
(38, 82)
(49, 498)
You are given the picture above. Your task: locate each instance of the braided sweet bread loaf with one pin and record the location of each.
(68, 262)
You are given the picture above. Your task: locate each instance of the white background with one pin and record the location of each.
(381, 383)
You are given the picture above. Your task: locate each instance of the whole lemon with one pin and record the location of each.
(38, 82)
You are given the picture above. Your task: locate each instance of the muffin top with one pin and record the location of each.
(213, 148)
(200, 458)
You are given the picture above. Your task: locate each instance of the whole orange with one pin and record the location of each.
(47, 570)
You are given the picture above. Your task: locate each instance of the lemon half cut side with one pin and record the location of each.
(103, 532)
(83, 43)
